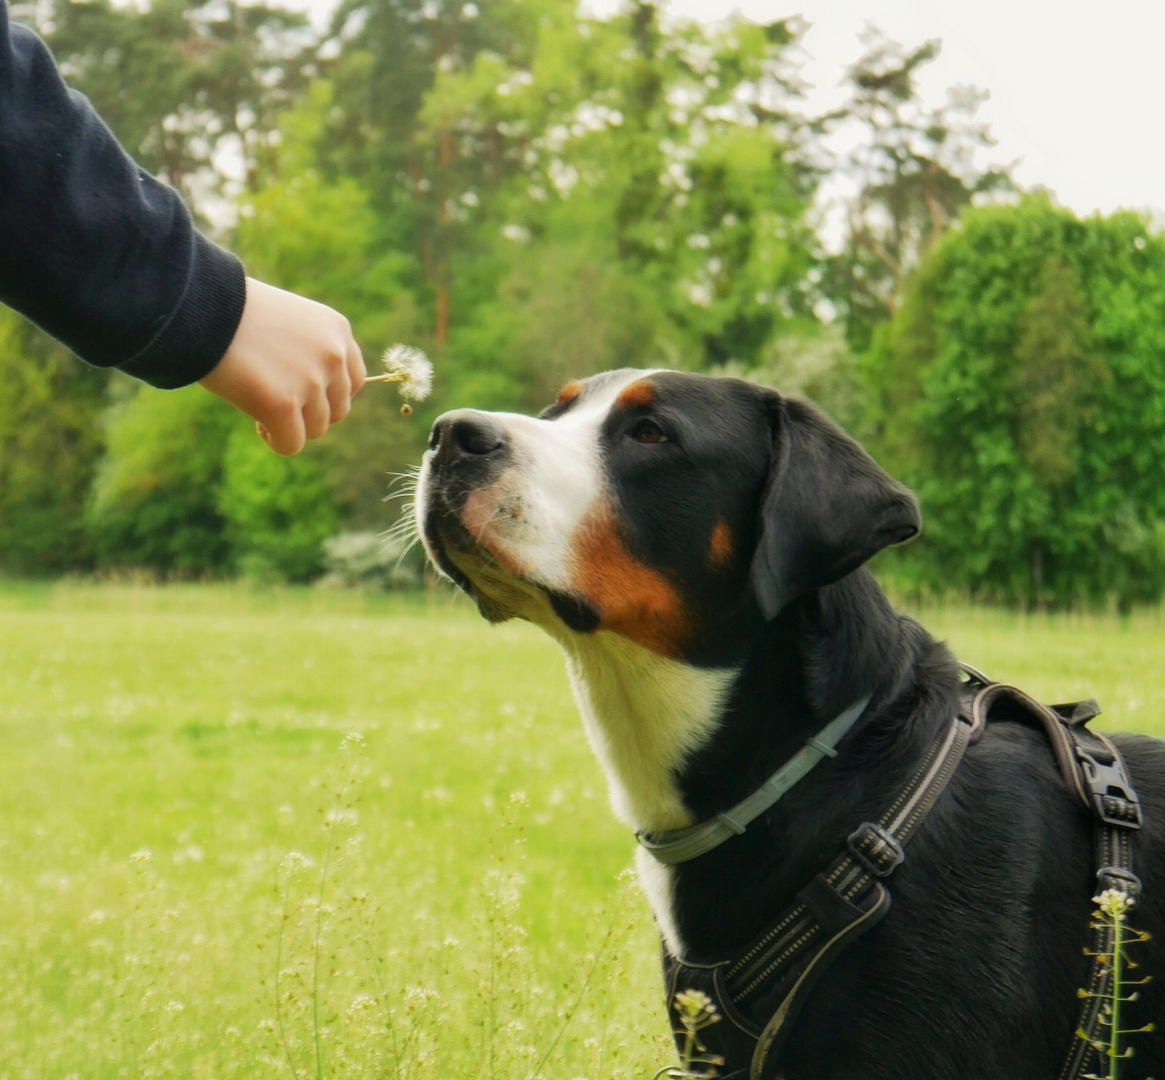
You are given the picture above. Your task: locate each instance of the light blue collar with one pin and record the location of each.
(680, 845)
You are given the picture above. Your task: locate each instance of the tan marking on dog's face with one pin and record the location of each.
(721, 548)
(639, 394)
(493, 515)
(569, 392)
(632, 599)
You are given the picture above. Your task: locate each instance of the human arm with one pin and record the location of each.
(92, 248)
(107, 260)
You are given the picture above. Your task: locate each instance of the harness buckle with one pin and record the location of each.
(875, 848)
(1112, 796)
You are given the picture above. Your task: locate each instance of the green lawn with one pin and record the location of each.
(306, 834)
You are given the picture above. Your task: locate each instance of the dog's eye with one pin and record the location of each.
(648, 431)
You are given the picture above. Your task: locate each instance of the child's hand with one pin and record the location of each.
(293, 366)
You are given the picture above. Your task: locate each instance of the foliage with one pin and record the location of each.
(541, 139)
(153, 503)
(276, 510)
(531, 194)
(49, 440)
(914, 170)
(812, 361)
(1020, 390)
(371, 560)
(187, 88)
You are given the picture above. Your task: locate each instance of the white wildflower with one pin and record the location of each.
(1113, 902)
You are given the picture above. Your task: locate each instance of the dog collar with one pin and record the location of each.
(680, 845)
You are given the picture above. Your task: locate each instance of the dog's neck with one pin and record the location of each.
(645, 715)
(679, 743)
(825, 651)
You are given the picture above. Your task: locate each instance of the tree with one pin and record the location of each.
(276, 510)
(1020, 390)
(680, 160)
(502, 133)
(410, 83)
(912, 173)
(1056, 377)
(321, 235)
(193, 92)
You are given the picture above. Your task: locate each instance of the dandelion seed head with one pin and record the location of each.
(412, 369)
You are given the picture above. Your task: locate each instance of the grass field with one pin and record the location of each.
(308, 835)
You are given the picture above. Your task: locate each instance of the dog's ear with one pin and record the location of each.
(828, 507)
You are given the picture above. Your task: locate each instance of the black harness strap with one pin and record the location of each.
(1093, 767)
(774, 975)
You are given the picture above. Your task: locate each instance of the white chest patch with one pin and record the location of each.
(644, 715)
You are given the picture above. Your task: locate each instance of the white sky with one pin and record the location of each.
(1077, 89)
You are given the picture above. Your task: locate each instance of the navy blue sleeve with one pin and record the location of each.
(94, 250)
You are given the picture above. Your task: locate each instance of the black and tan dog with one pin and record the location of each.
(696, 547)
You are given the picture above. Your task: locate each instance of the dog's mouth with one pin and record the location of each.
(500, 588)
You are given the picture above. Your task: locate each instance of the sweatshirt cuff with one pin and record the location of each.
(203, 325)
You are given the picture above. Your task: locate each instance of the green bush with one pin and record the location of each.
(153, 503)
(277, 510)
(49, 446)
(1020, 389)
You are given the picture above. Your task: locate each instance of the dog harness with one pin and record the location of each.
(759, 993)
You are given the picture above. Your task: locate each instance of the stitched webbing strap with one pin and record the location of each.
(1094, 768)
(839, 904)
(1117, 815)
(680, 845)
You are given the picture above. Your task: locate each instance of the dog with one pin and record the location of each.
(696, 547)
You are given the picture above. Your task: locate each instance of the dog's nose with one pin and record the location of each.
(465, 434)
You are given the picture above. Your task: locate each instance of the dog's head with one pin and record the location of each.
(658, 505)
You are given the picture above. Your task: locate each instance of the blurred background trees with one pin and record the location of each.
(531, 195)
